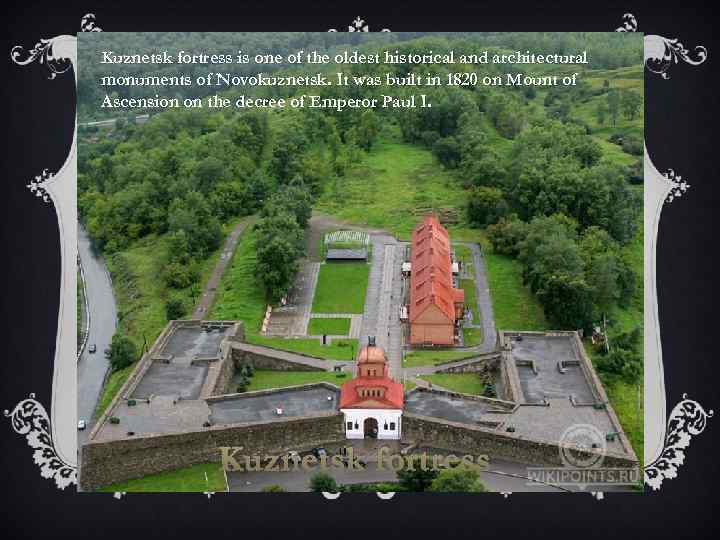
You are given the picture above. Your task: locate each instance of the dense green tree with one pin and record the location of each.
(279, 246)
(323, 482)
(631, 103)
(506, 235)
(485, 206)
(487, 170)
(121, 352)
(458, 480)
(174, 309)
(414, 478)
(447, 150)
(613, 103)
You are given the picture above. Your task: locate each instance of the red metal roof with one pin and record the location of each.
(431, 277)
(350, 397)
(393, 392)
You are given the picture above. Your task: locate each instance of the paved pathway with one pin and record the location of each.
(208, 294)
(483, 300)
(382, 302)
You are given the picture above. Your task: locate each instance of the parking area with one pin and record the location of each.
(264, 406)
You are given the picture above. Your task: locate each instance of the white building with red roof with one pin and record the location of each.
(372, 402)
(435, 305)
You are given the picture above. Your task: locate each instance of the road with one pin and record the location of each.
(102, 312)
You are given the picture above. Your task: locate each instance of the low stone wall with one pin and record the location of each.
(484, 364)
(460, 438)
(267, 361)
(498, 405)
(121, 460)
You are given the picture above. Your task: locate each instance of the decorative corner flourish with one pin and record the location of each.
(37, 185)
(687, 419)
(30, 418)
(43, 53)
(358, 25)
(629, 23)
(661, 53)
(87, 23)
(679, 186)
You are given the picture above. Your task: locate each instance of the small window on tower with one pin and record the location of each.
(392, 426)
(349, 425)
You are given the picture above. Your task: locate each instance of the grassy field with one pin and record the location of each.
(422, 358)
(514, 305)
(341, 288)
(262, 380)
(628, 400)
(394, 187)
(472, 336)
(464, 383)
(240, 295)
(188, 480)
(338, 349)
(468, 285)
(330, 327)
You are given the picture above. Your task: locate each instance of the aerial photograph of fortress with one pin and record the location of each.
(459, 283)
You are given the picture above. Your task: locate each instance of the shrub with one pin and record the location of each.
(174, 309)
(121, 352)
(322, 481)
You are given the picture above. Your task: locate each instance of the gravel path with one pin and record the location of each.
(208, 294)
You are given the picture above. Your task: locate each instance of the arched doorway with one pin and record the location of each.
(370, 428)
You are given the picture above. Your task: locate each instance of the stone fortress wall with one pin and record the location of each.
(119, 459)
(114, 461)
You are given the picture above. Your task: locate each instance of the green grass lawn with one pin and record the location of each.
(473, 336)
(422, 358)
(262, 379)
(514, 305)
(341, 288)
(464, 383)
(190, 479)
(331, 327)
(468, 285)
(627, 400)
(240, 296)
(408, 385)
(338, 349)
(394, 187)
